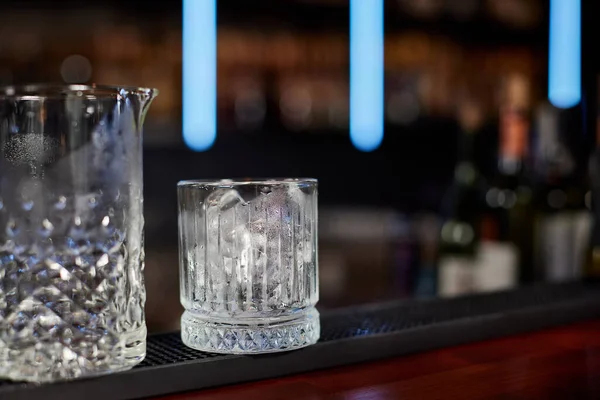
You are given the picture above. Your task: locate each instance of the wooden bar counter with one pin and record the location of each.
(558, 363)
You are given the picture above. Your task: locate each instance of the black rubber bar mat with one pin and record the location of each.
(351, 335)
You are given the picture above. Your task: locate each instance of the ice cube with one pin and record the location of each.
(277, 235)
(296, 195)
(226, 216)
(227, 238)
(223, 199)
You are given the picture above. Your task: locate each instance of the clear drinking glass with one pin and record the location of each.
(248, 264)
(71, 244)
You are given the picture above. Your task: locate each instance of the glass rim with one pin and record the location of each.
(46, 90)
(229, 183)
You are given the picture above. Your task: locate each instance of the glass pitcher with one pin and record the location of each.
(71, 243)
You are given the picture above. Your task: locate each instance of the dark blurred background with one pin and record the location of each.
(479, 184)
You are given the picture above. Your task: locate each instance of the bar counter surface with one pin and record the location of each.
(558, 363)
(478, 346)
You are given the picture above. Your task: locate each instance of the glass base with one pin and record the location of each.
(46, 362)
(251, 336)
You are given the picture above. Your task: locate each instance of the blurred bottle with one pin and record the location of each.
(249, 104)
(459, 240)
(296, 103)
(339, 107)
(592, 256)
(507, 251)
(560, 194)
(579, 199)
(427, 228)
(322, 92)
(579, 191)
(333, 269)
(402, 104)
(403, 256)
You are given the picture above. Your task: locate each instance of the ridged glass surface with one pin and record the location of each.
(248, 255)
(71, 246)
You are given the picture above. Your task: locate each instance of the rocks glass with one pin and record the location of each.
(71, 257)
(248, 264)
